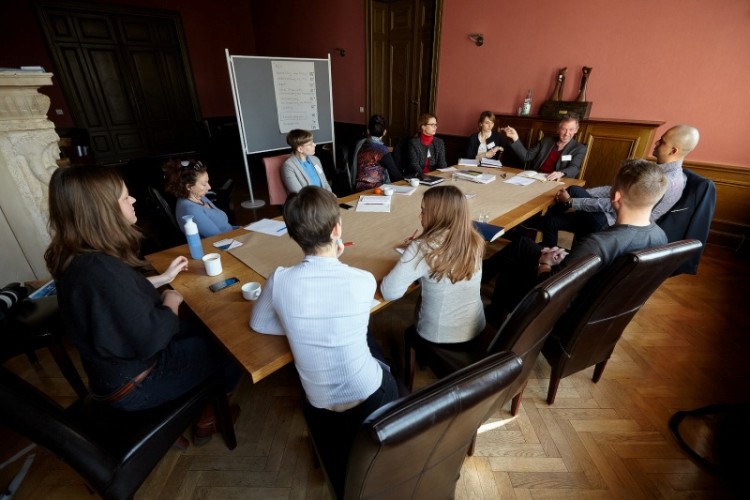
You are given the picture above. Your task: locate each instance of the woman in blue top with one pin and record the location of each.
(187, 180)
(303, 168)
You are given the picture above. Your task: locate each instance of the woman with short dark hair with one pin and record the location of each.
(323, 308)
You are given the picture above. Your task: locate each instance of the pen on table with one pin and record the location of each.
(280, 229)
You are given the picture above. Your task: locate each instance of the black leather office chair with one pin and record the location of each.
(414, 447)
(587, 333)
(113, 451)
(524, 331)
(690, 217)
(36, 324)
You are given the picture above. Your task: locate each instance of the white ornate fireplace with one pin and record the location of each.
(28, 154)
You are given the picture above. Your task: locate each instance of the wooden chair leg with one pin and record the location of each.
(598, 370)
(515, 404)
(554, 381)
(472, 446)
(410, 359)
(224, 420)
(68, 369)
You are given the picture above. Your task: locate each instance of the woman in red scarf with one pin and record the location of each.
(425, 152)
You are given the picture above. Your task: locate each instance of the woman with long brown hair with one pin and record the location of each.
(137, 353)
(447, 260)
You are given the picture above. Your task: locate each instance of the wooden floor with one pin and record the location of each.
(687, 348)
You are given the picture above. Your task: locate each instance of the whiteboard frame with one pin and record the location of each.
(243, 126)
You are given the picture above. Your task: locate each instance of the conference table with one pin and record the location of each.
(371, 240)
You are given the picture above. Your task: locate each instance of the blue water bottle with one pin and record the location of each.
(193, 238)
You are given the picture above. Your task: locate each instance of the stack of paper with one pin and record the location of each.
(475, 177)
(532, 174)
(374, 204)
(468, 162)
(405, 190)
(489, 162)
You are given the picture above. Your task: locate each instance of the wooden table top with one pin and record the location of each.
(227, 314)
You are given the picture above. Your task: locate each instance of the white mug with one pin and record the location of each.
(388, 191)
(251, 291)
(414, 182)
(212, 261)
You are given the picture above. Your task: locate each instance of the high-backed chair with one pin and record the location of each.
(36, 324)
(353, 165)
(113, 451)
(414, 447)
(690, 217)
(524, 331)
(276, 191)
(587, 333)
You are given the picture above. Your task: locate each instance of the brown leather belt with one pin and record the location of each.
(129, 387)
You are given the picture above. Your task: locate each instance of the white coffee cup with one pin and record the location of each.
(387, 191)
(251, 291)
(414, 182)
(212, 261)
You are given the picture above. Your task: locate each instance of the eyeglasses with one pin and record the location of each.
(431, 124)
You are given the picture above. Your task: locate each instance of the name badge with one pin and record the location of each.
(490, 146)
(567, 157)
(428, 154)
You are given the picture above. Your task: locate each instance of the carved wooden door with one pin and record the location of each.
(401, 68)
(126, 77)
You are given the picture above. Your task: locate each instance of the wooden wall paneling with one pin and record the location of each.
(731, 222)
(604, 155)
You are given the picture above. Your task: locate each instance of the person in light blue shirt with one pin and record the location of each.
(187, 180)
(302, 168)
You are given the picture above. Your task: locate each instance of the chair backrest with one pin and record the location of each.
(29, 412)
(588, 331)
(414, 447)
(526, 328)
(353, 164)
(690, 217)
(113, 451)
(167, 232)
(276, 191)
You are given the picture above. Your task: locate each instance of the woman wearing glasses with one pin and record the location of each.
(187, 180)
(425, 152)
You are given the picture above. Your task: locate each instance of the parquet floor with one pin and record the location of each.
(687, 348)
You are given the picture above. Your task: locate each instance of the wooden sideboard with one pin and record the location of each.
(608, 142)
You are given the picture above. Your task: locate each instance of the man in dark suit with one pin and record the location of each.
(557, 157)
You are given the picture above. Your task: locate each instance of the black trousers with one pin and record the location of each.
(334, 432)
(515, 267)
(577, 222)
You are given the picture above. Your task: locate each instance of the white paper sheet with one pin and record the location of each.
(269, 227)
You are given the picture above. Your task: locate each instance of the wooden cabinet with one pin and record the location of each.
(608, 142)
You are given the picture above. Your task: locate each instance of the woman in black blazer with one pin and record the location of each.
(487, 143)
